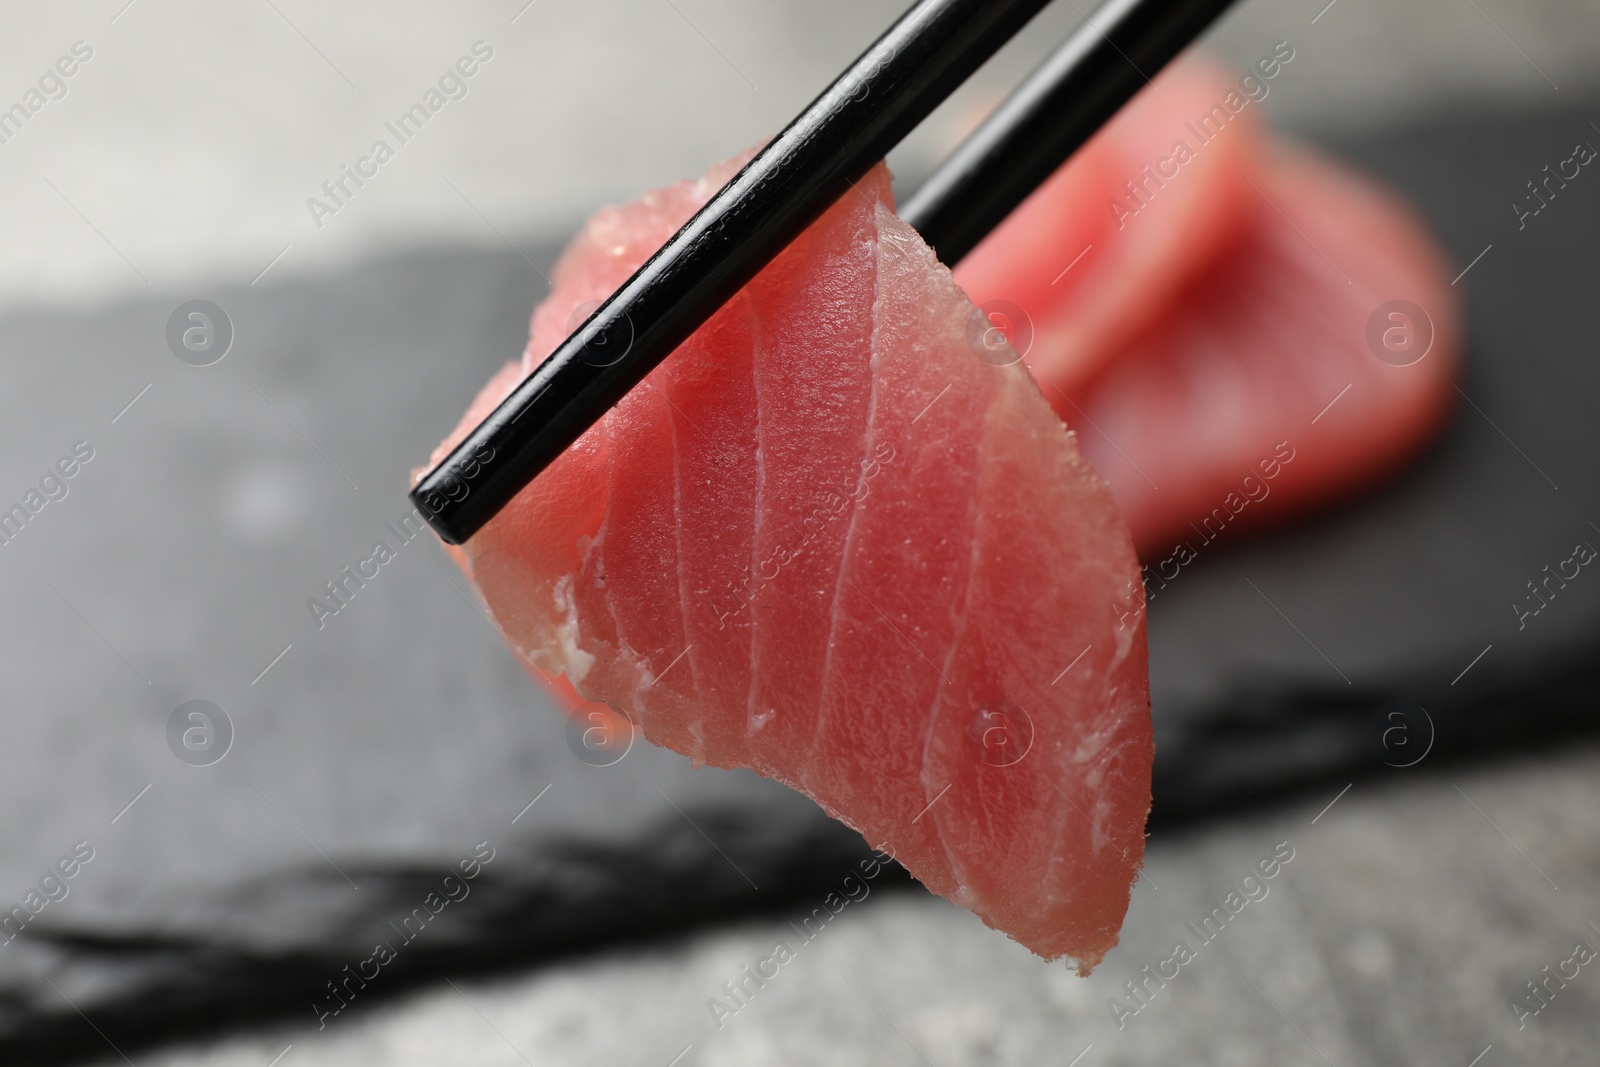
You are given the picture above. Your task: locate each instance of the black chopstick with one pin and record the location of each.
(891, 88)
(1059, 106)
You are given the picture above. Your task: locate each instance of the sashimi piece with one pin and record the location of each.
(1197, 342)
(1286, 375)
(1106, 243)
(826, 540)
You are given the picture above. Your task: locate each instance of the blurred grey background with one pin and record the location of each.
(193, 137)
(178, 164)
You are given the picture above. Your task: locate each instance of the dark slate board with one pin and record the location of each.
(401, 734)
(1405, 590)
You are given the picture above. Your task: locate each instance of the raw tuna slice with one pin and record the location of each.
(840, 538)
(1215, 312)
(1107, 242)
(1328, 337)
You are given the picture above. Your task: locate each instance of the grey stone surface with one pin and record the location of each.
(1402, 931)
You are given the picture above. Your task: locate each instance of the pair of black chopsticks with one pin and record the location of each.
(896, 83)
